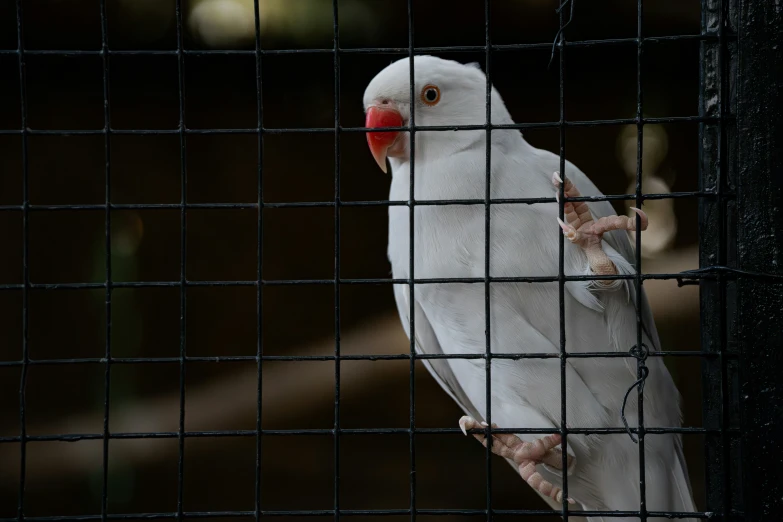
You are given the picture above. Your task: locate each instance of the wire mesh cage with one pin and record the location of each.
(730, 379)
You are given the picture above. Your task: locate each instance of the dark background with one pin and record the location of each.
(66, 92)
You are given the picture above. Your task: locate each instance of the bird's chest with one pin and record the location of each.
(447, 239)
(447, 242)
(451, 241)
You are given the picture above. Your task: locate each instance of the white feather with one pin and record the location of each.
(524, 317)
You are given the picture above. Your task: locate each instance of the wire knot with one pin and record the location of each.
(640, 354)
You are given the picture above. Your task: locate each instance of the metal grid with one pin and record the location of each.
(716, 196)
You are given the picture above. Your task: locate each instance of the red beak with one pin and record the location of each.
(380, 142)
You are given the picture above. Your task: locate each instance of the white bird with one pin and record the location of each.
(600, 316)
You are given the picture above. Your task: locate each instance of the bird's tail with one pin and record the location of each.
(681, 483)
(615, 487)
(667, 487)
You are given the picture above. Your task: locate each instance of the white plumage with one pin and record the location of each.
(524, 317)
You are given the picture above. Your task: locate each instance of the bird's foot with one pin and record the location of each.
(581, 229)
(525, 455)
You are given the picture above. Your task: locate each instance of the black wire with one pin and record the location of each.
(76, 437)
(487, 250)
(23, 438)
(107, 262)
(352, 357)
(367, 50)
(330, 130)
(696, 275)
(370, 203)
(690, 275)
(561, 277)
(337, 347)
(364, 513)
(183, 259)
(561, 29)
(644, 371)
(412, 265)
(259, 262)
(641, 369)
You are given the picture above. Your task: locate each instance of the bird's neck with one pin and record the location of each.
(458, 170)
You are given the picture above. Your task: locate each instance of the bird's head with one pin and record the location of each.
(445, 93)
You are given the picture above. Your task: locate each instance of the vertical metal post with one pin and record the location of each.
(641, 369)
(760, 237)
(717, 246)
(20, 42)
(183, 298)
(107, 262)
(337, 352)
(412, 266)
(487, 249)
(259, 261)
(561, 260)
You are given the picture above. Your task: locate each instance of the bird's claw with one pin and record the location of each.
(525, 455)
(580, 228)
(568, 231)
(462, 424)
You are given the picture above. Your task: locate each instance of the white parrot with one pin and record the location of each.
(603, 469)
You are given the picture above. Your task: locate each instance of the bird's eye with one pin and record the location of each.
(430, 95)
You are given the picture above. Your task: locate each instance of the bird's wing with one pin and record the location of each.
(618, 240)
(427, 343)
